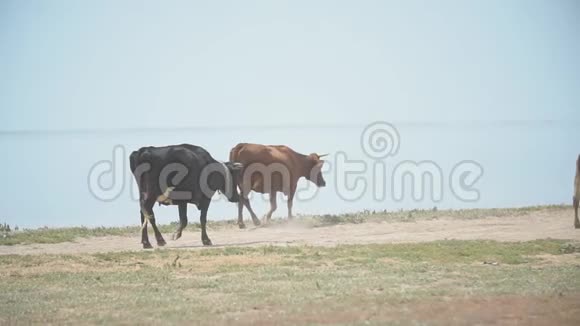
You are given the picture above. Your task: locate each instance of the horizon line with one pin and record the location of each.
(425, 123)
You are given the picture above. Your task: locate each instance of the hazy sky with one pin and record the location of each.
(119, 64)
(85, 65)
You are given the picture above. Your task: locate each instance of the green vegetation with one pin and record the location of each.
(46, 235)
(56, 235)
(4, 228)
(425, 214)
(288, 285)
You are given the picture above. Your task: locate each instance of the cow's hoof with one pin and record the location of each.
(161, 243)
(242, 225)
(176, 235)
(257, 222)
(147, 245)
(206, 242)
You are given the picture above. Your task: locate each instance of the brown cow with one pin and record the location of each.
(272, 169)
(577, 193)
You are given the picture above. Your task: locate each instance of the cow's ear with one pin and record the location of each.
(313, 157)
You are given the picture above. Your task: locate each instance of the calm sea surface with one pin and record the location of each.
(45, 176)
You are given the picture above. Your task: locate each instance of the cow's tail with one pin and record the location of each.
(144, 194)
(133, 158)
(234, 152)
(578, 166)
(145, 187)
(234, 157)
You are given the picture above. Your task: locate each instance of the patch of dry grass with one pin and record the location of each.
(289, 285)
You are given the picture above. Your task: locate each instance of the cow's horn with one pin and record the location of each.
(323, 155)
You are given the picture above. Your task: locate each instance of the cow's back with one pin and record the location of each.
(257, 157)
(246, 154)
(164, 161)
(184, 153)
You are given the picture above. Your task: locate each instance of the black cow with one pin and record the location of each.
(178, 175)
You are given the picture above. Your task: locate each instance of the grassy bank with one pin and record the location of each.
(415, 283)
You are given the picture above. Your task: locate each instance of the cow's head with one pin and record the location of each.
(230, 184)
(315, 169)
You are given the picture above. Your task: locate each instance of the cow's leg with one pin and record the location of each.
(246, 202)
(149, 216)
(146, 217)
(273, 206)
(182, 220)
(241, 214)
(144, 236)
(241, 211)
(160, 241)
(576, 221)
(203, 220)
(290, 200)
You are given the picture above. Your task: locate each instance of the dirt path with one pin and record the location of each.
(555, 224)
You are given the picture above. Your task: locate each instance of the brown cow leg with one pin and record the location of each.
(241, 214)
(273, 206)
(576, 221)
(255, 218)
(290, 200)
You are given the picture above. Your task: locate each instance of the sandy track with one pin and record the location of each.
(549, 223)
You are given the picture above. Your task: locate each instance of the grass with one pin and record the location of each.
(282, 285)
(426, 214)
(56, 235)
